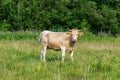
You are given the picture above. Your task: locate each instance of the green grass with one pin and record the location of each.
(19, 35)
(95, 58)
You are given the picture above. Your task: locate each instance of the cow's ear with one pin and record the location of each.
(69, 33)
(81, 33)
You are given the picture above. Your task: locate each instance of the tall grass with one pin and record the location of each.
(20, 35)
(95, 58)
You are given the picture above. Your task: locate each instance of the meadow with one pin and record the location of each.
(95, 58)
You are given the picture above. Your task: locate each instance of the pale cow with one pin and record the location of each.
(59, 41)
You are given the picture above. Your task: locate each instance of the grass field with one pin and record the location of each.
(95, 58)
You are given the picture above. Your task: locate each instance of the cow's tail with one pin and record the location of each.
(40, 38)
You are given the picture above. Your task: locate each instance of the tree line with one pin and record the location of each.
(89, 15)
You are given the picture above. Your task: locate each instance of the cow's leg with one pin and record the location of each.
(71, 55)
(41, 55)
(63, 53)
(43, 52)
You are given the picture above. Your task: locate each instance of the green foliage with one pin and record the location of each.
(4, 26)
(59, 15)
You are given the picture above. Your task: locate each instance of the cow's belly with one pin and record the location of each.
(54, 46)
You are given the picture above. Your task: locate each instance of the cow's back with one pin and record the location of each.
(57, 36)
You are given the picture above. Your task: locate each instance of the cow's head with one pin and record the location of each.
(74, 33)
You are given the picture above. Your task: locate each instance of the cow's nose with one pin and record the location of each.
(75, 40)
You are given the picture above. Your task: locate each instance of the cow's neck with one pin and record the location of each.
(71, 42)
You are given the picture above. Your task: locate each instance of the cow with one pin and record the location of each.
(59, 41)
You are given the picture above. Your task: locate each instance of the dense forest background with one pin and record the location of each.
(97, 16)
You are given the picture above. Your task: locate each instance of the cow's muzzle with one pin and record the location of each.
(74, 40)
